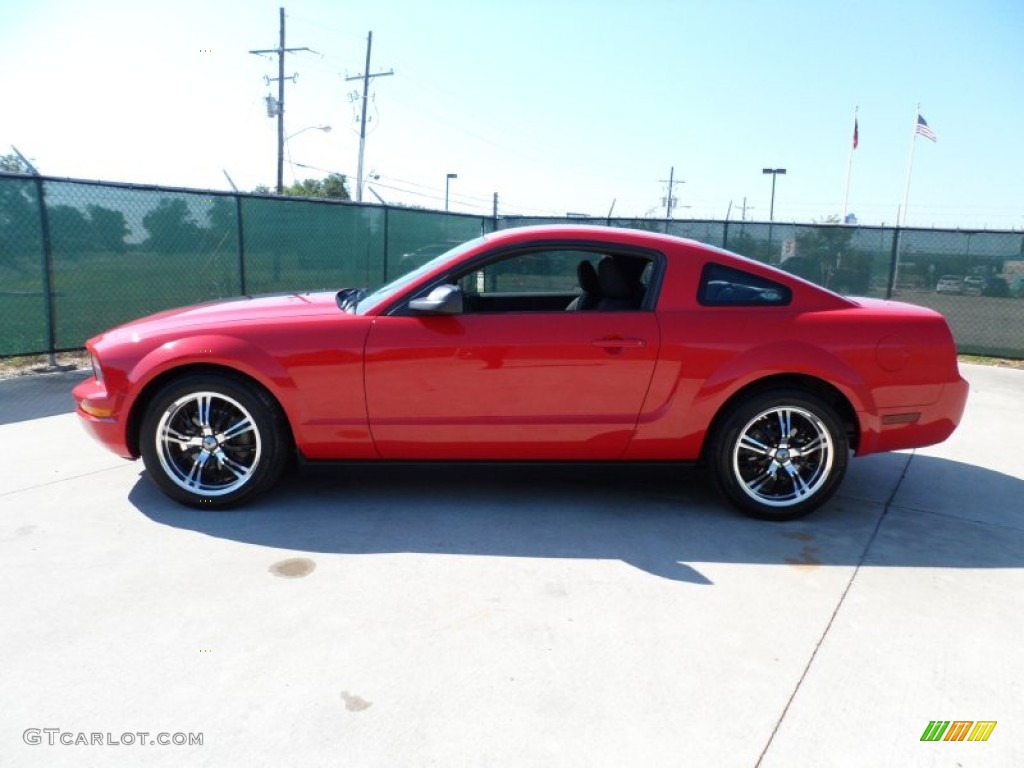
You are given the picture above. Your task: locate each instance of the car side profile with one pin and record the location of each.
(556, 343)
(974, 285)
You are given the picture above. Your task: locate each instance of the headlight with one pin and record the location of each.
(96, 370)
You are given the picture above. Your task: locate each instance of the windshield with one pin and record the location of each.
(370, 300)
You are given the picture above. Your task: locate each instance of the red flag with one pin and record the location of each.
(855, 133)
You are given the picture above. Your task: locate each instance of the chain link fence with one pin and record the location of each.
(78, 257)
(974, 278)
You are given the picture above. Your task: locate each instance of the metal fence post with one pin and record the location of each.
(51, 310)
(241, 244)
(387, 228)
(892, 262)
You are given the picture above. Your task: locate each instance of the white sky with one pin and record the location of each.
(558, 105)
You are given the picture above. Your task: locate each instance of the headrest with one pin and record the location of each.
(613, 283)
(587, 277)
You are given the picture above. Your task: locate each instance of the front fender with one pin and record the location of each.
(211, 349)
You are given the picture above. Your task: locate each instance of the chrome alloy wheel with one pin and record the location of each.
(783, 456)
(208, 443)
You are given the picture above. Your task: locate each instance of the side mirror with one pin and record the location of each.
(443, 300)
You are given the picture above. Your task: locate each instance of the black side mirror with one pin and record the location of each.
(443, 300)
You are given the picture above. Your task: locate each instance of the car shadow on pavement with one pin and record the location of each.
(665, 521)
(36, 397)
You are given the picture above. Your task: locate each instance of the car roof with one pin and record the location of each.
(585, 232)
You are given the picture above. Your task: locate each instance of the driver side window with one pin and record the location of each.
(550, 280)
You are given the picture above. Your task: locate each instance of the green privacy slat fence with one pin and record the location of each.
(983, 299)
(77, 257)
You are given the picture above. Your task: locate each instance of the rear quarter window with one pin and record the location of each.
(722, 286)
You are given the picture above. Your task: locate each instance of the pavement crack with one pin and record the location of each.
(58, 481)
(835, 611)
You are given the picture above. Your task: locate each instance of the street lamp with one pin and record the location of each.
(774, 172)
(447, 180)
(324, 128)
(288, 148)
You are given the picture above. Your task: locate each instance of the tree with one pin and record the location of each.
(20, 238)
(109, 228)
(70, 231)
(171, 227)
(824, 256)
(12, 164)
(334, 187)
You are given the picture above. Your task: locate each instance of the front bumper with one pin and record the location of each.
(104, 416)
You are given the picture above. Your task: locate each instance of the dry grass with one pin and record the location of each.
(1002, 362)
(25, 365)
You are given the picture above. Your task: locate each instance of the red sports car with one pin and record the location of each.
(564, 343)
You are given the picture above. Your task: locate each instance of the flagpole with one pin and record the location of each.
(910, 164)
(906, 198)
(849, 166)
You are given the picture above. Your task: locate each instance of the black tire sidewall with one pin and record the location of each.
(267, 418)
(727, 432)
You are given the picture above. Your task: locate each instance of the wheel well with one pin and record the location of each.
(151, 389)
(824, 390)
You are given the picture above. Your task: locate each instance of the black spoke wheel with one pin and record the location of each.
(779, 455)
(213, 441)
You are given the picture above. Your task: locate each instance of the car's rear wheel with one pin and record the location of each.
(213, 441)
(779, 455)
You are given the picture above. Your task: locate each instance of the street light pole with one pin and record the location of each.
(774, 172)
(447, 181)
(771, 211)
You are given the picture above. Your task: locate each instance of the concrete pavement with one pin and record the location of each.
(482, 616)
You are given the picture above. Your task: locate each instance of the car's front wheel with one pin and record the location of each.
(779, 455)
(213, 441)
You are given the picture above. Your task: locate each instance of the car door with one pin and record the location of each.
(510, 377)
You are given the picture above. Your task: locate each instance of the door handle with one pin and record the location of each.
(618, 342)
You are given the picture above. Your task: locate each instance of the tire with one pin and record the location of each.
(779, 455)
(213, 441)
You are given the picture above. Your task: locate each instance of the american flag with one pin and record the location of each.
(922, 129)
(856, 134)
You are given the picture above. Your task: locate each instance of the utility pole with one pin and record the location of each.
(279, 107)
(670, 200)
(365, 77)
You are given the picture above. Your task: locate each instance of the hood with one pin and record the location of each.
(242, 309)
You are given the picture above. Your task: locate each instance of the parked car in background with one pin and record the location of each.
(563, 343)
(950, 284)
(973, 285)
(996, 286)
(1017, 286)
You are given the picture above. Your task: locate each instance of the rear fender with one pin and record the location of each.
(779, 358)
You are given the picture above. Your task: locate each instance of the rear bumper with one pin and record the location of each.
(103, 416)
(893, 429)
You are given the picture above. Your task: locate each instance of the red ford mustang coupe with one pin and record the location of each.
(563, 343)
